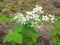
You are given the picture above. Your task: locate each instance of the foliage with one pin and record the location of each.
(1, 8)
(1, 0)
(57, 23)
(4, 18)
(57, 15)
(55, 33)
(54, 36)
(22, 33)
(14, 37)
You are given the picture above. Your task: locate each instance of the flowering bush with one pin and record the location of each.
(35, 17)
(25, 31)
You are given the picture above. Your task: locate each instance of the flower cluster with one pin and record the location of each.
(20, 18)
(48, 17)
(34, 17)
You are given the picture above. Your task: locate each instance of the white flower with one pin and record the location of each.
(32, 25)
(50, 15)
(36, 23)
(38, 20)
(52, 21)
(53, 17)
(35, 10)
(46, 18)
(41, 12)
(15, 17)
(33, 16)
(37, 16)
(39, 7)
(27, 17)
(30, 17)
(29, 13)
(24, 19)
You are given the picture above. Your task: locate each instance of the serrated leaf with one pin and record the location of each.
(57, 31)
(34, 37)
(58, 43)
(57, 24)
(19, 28)
(6, 38)
(54, 39)
(11, 36)
(4, 18)
(18, 38)
(53, 32)
(28, 43)
(29, 28)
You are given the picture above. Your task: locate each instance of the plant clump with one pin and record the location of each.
(24, 31)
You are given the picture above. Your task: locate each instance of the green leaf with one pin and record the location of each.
(57, 31)
(40, 17)
(18, 38)
(4, 18)
(54, 39)
(34, 37)
(52, 32)
(13, 20)
(57, 24)
(58, 43)
(28, 27)
(28, 43)
(6, 38)
(11, 36)
(19, 28)
(13, 43)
